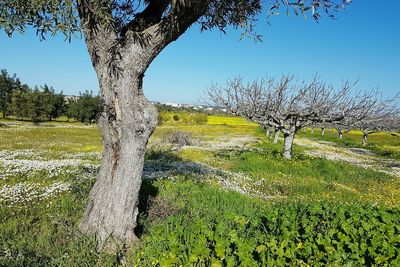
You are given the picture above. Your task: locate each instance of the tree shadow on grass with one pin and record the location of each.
(147, 192)
(158, 165)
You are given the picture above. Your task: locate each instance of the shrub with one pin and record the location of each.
(163, 117)
(175, 117)
(200, 118)
(179, 138)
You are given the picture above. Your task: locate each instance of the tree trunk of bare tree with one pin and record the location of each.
(364, 139)
(126, 124)
(340, 134)
(288, 144)
(276, 136)
(268, 132)
(312, 130)
(323, 131)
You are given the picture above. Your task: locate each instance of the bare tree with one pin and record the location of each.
(379, 116)
(323, 125)
(354, 108)
(287, 105)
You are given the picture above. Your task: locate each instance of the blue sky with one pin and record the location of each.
(363, 43)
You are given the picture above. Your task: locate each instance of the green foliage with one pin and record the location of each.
(8, 85)
(44, 15)
(175, 117)
(44, 234)
(54, 16)
(36, 109)
(20, 101)
(163, 117)
(226, 229)
(87, 108)
(37, 105)
(55, 104)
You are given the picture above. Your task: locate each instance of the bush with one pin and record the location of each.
(175, 117)
(200, 118)
(163, 117)
(179, 138)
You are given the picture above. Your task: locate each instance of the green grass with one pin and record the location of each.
(318, 213)
(45, 234)
(314, 179)
(55, 139)
(384, 144)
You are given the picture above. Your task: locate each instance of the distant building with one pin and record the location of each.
(175, 105)
(70, 98)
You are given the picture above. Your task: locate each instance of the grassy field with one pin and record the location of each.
(384, 144)
(227, 198)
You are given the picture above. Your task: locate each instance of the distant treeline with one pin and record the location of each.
(19, 101)
(43, 103)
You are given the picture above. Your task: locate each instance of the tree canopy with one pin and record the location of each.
(63, 16)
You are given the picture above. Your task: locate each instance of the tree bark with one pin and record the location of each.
(288, 144)
(323, 131)
(364, 139)
(128, 119)
(126, 124)
(276, 136)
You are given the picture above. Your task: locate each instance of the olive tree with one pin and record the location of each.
(123, 37)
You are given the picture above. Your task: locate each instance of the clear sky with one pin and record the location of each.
(363, 43)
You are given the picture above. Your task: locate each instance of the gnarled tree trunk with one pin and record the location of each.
(126, 125)
(120, 57)
(288, 144)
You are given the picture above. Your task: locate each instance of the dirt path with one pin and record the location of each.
(357, 156)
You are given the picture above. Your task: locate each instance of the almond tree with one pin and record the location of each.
(350, 110)
(380, 116)
(123, 37)
(286, 105)
(368, 112)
